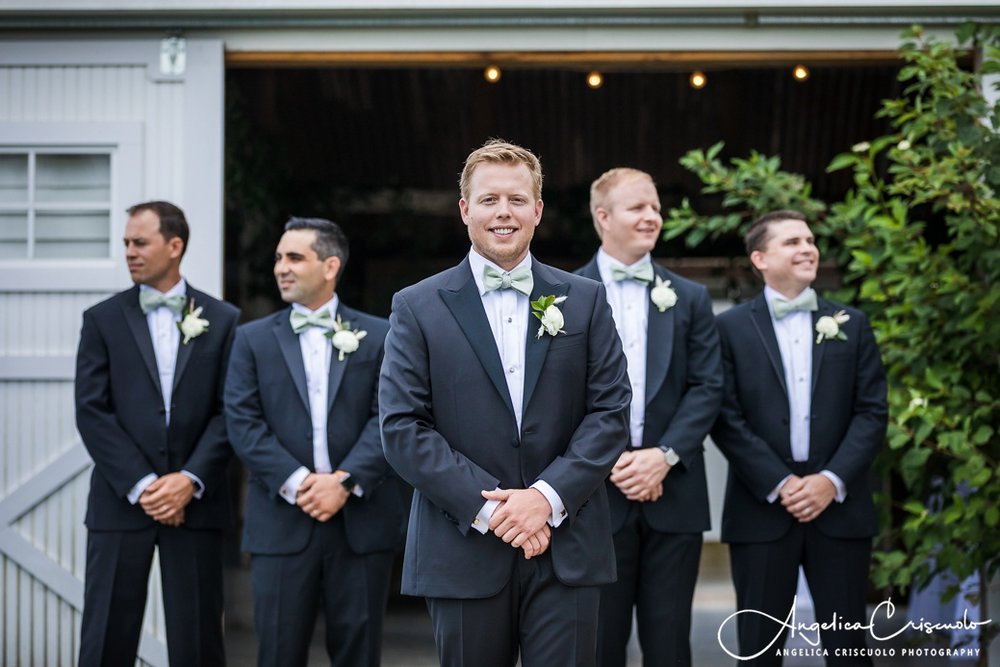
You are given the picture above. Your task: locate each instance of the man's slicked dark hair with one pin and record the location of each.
(330, 238)
(757, 236)
(172, 221)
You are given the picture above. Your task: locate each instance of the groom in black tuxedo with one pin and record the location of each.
(803, 416)
(507, 431)
(149, 379)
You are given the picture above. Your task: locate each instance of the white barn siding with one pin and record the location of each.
(93, 93)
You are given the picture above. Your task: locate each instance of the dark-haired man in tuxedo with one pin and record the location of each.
(149, 378)
(301, 406)
(803, 416)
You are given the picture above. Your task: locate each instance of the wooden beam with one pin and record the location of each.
(604, 60)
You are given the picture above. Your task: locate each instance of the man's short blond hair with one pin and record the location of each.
(498, 151)
(600, 188)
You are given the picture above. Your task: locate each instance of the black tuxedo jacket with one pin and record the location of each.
(448, 428)
(267, 412)
(121, 416)
(847, 422)
(683, 395)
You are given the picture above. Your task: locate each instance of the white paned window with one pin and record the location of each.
(55, 204)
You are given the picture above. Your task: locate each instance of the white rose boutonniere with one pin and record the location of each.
(192, 325)
(662, 294)
(545, 309)
(828, 326)
(344, 338)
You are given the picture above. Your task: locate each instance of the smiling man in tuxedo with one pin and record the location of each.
(149, 379)
(657, 490)
(803, 416)
(323, 516)
(507, 431)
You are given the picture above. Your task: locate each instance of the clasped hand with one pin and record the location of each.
(639, 474)
(321, 495)
(805, 498)
(165, 499)
(520, 519)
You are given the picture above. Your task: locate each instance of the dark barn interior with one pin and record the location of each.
(379, 151)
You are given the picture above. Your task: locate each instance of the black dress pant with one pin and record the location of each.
(765, 575)
(114, 595)
(656, 576)
(547, 622)
(288, 590)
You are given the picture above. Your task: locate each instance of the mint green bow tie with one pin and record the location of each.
(150, 301)
(805, 301)
(519, 279)
(641, 274)
(300, 321)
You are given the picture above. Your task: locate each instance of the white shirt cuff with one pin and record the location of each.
(481, 523)
(290, 488)
(558, 508)
(771, 497)
(199, 487)
(140, 486)
(837, 483)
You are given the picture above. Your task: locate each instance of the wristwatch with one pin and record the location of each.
(348, 482)
(671, 456)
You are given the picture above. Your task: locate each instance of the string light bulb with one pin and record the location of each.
(595, 80)
(698, 80)
(800, 73)
(492, 74)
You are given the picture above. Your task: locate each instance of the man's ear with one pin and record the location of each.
(176, 246)
(331, 268)
(758, 261)
(602, 215)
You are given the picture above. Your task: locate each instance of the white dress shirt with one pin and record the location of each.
(508, 311)
(795, 342)
(166, 338)
(629, 301)
(316, 353)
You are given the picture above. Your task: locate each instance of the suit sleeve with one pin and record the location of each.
(117, 457)
(418, 452)
(752, 460)
(601, 436)
(702, 397)
(210, 457)
(252, 439)
(366, 460)
(866, 431)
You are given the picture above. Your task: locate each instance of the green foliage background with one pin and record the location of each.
(917, 237)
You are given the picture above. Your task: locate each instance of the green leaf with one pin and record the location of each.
(842, 161)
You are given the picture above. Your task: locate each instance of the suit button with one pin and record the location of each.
(163, 451)
(784, 420)
(515, 443)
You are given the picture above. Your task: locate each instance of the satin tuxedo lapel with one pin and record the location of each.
(659, 342)
(761, 318)
(825, 308)
(338, 367)
(536, 348)
(184, 351)
(288, 342)
(140, 332)
(466, 306)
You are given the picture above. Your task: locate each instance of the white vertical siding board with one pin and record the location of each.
(23, 628)
(38, 595)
